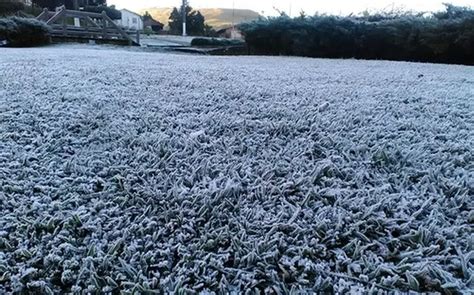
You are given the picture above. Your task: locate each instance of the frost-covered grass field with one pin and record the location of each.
(133, 171)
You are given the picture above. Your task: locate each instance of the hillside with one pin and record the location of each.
(216, 17)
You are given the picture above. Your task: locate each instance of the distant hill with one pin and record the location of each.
(216, 17)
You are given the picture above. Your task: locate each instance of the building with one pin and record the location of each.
(130, 20)
(153, 25)
(230, 33)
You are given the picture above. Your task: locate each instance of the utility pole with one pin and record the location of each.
(185, 4)
(233, 14)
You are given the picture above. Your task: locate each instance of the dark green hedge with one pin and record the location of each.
(214, 42)
(446, 37)
(24, 32)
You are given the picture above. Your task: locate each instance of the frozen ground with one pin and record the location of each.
(166, 40)
(124, 170)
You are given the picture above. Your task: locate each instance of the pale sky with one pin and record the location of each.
(343, 7)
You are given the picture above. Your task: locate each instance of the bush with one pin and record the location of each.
(8, 7)
(148, 31)
(24, 32)
(446, 37)
(214, 42)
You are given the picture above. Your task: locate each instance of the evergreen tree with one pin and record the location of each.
(147, 16)
(195, 21)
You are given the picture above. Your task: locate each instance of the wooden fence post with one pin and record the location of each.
(44, 15)
(119, 29)
(64, 26)
(104, 24)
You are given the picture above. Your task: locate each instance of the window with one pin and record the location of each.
(134, 20)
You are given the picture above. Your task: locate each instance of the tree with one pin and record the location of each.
(175, 21)
(209, 31)
(195, 21)
(10, 6)
(52, 4)
(147, 16)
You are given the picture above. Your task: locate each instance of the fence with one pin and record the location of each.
(74, 24)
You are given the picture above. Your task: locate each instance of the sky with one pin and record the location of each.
(265, 7)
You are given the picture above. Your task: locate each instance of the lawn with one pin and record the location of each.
(125, 170)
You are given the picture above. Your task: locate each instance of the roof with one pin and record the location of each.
(152, 22)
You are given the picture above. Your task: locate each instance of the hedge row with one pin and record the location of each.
(215, 42)
(446, 37)
(24, 32)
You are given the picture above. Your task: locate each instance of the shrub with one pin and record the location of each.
(215, 42)
(446, 37)
(24, 32)
(148, 31)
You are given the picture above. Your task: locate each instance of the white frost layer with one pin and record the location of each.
(124, 170)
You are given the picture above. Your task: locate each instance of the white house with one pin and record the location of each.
(130, 20)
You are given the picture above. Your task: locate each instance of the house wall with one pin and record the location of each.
(131, 20)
